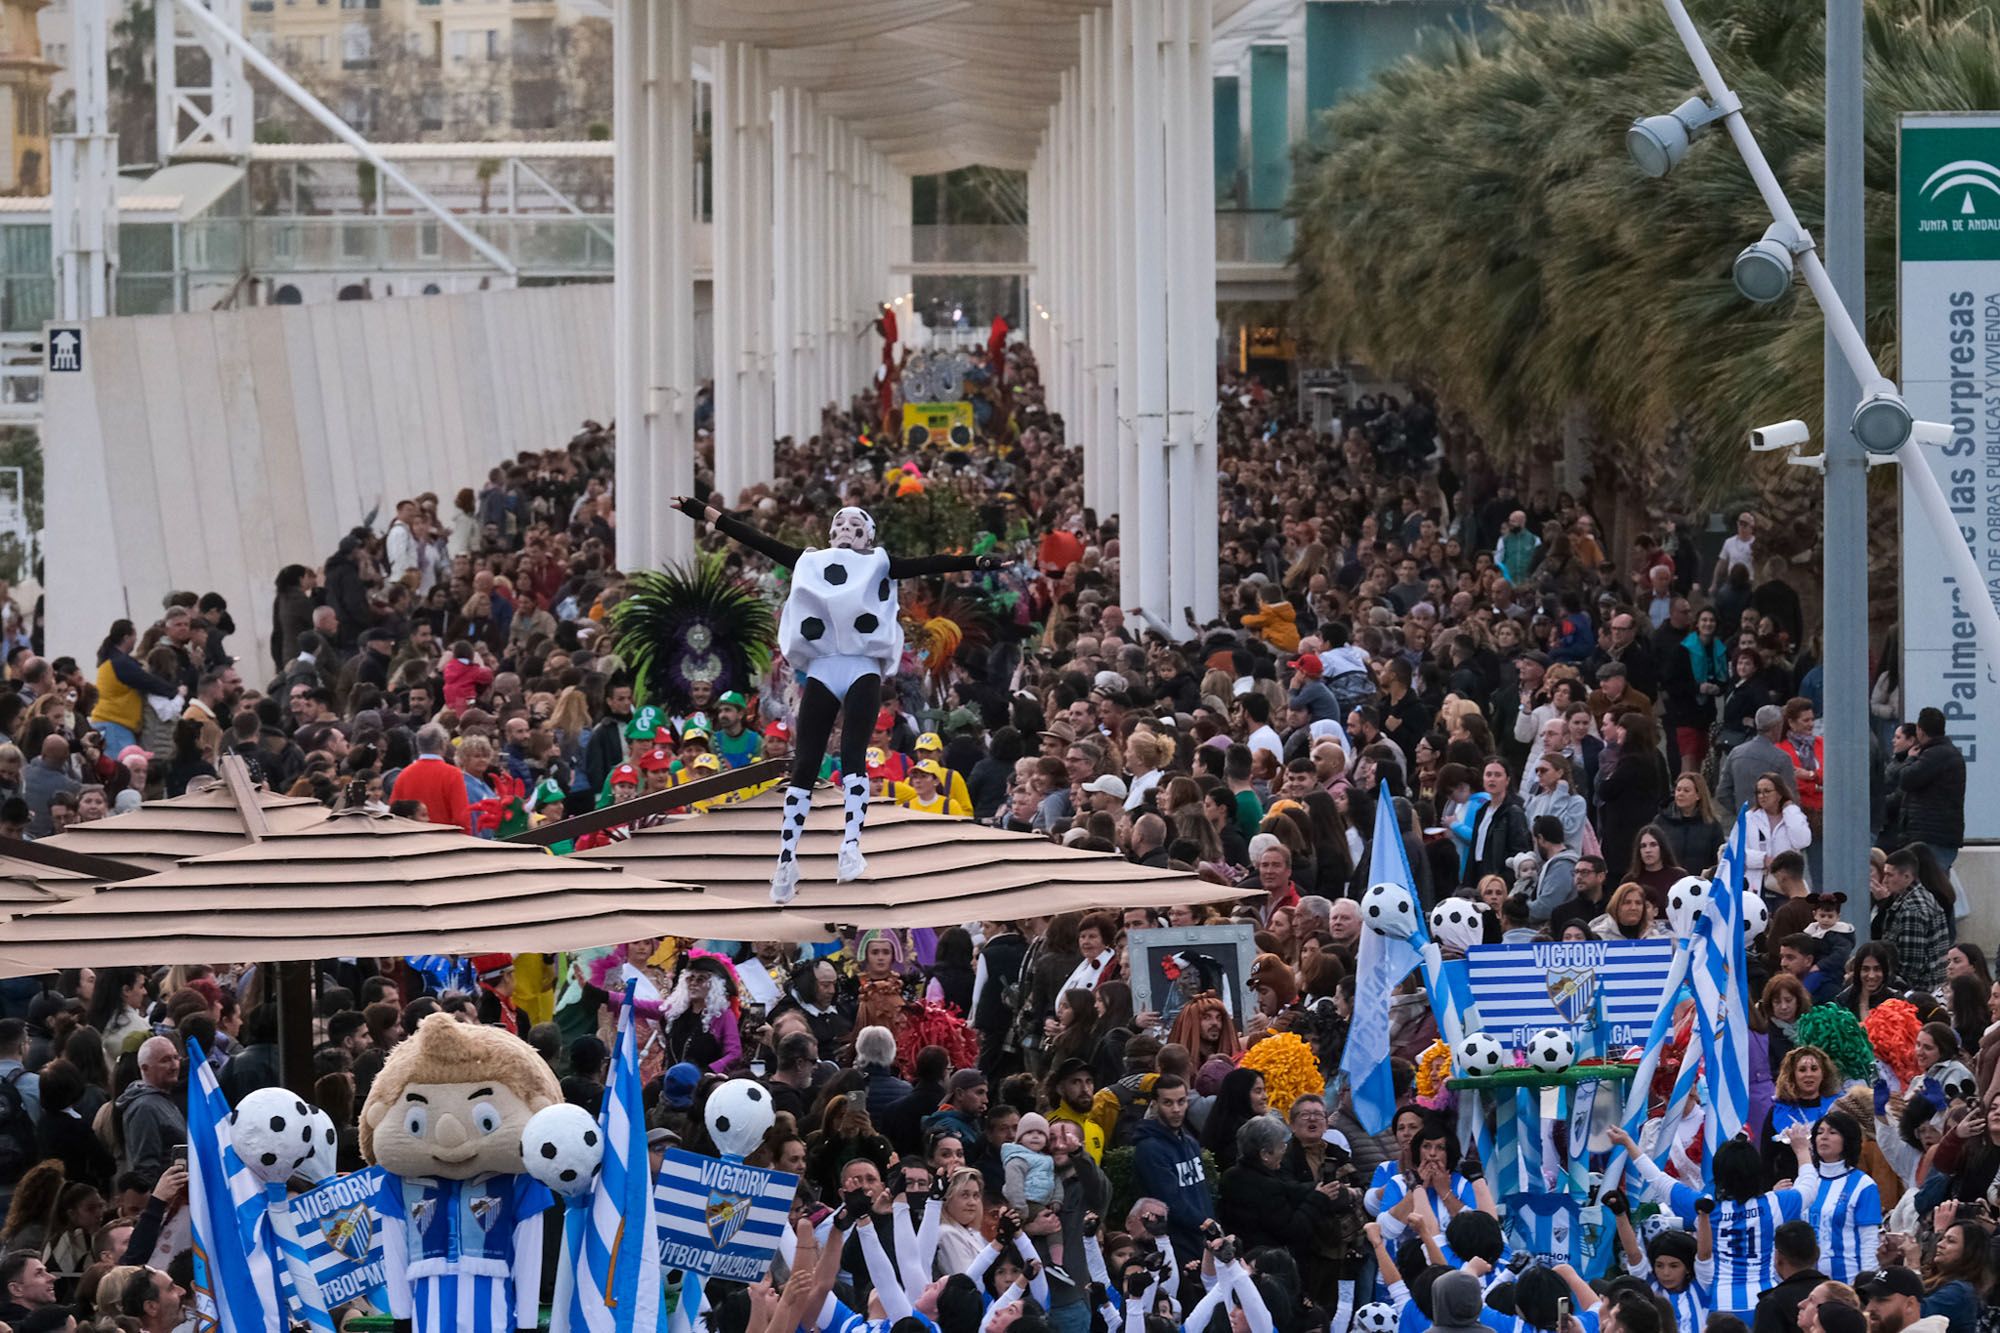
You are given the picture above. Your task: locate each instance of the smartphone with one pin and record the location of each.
(1562, 1315)
(180, 1154)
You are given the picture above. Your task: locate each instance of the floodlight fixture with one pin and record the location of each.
(1883, 422)
(1658, 143)
(1763, 272)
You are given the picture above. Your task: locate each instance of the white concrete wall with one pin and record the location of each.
(205, 451)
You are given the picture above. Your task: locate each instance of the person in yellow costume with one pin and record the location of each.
(930, 746)
(925, 793)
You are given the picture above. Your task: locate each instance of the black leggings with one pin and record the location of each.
(857, 726)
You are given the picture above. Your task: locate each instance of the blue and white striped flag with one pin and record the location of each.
(618, 1273)
(236, 1288)
(1380, 966)
(1720, 979)
(1639, 1091)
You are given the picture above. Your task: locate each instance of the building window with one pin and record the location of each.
(492, 43)
(357, 47)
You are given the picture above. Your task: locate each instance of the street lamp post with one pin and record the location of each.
(1878, 426)
(1845, 820)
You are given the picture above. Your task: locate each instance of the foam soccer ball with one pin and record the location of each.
(1375, 1317)
(272, 1131)
(1756, 915)
(1456, 923)
(319, 1164)
(1551, 1050)
(738, 1114)
(1659, 1224)
(1389, 910)
(1686, 901)
(1479, 1053)
(562, 1148)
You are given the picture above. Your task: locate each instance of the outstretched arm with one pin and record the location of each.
(740, 532)
(921, 566)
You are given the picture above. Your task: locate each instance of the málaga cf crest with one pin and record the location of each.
(726, 1214)
(1573, 992)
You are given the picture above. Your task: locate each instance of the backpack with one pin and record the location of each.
(18, 1149)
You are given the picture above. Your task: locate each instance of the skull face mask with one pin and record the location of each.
(852, 529)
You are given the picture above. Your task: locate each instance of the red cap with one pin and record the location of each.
(781, 731)
(885, 720)
(656, 759)
(491, 964)
(624, 773)
(1309, 665)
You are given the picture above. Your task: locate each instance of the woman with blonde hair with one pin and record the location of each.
(1147, 754)
(1629, 914)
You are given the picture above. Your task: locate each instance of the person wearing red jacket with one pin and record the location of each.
(464, 677)
(434, 781)
(1808, 755)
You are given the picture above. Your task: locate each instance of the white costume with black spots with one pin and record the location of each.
(841, 631)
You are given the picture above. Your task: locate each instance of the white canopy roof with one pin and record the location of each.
(934, 85)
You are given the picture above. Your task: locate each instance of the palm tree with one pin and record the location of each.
(1471, 221)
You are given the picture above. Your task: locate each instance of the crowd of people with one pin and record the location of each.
(989, 1131)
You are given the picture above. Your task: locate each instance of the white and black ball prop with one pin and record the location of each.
(1552, 1050)
(1458, 923)
(320, 1163)
(1756, 915)
(1388, 909)
(842, 603)
(1479, 1053)
(562, 1148)
(272, 1132)
(1686, 901)
(1657, 1225)
(738, 1114)
(1375, 1317)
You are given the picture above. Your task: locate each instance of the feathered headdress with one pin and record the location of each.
(691, 623)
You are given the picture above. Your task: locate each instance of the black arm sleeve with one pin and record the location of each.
(920, 566)
(763, 543)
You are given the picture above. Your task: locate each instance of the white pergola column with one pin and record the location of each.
(1190, 313)
(1197, 332)
(1038, 259)
(1101, 244)
(1148, 520)
(785, 242)
(1090, 109)
(653, 298)
(742, 232)
(1125, 195)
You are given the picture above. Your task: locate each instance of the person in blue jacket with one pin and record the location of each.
(1167, 1161)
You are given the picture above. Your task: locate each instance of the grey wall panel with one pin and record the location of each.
(222, 446)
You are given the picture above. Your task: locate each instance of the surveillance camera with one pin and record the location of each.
(1784, 435)
(1930, 432)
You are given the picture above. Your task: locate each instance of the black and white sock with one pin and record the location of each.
(856, 791)
(798, 800)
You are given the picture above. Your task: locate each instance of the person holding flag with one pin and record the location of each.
(618, 1282)
(236, 1282)
(1383, 961)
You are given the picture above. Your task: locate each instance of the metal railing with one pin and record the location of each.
(1253, 237)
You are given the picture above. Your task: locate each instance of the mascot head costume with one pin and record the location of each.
(452, 1102)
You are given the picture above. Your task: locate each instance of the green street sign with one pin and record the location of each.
(1948, 196)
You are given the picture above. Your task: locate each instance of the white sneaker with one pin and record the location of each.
(785, 882)
(853, 865)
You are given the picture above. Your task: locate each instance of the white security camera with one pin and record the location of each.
(1930, 432)
(1784, 435)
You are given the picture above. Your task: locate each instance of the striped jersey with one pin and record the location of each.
(1393, 1230)
(1847, 1215)
(844, 1320)
(1743, 1231)
(1690, 1302)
